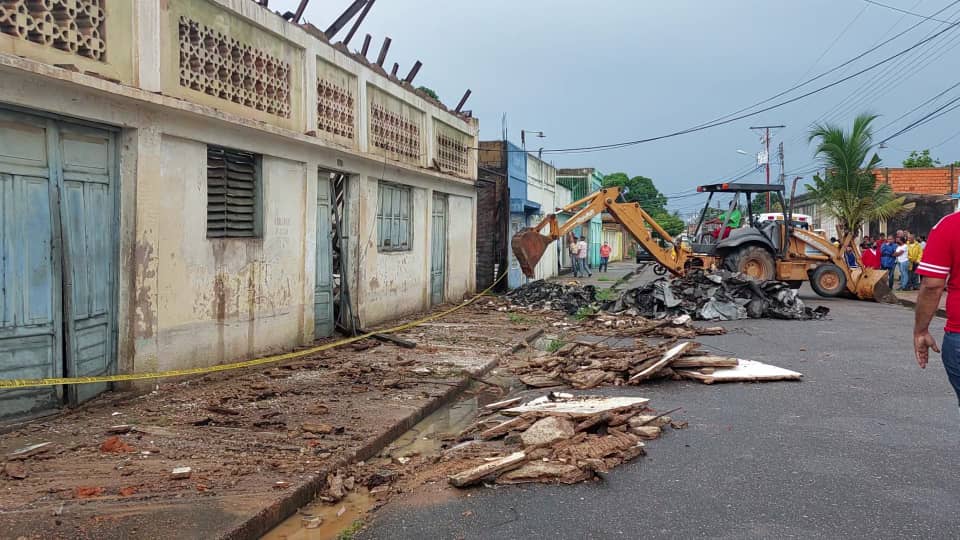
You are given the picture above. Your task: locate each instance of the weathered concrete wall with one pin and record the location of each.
(461, 247)
(221, 299)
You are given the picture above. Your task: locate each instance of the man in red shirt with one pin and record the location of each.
(940, 265)
(605, 250)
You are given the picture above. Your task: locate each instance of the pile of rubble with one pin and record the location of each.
(557, 438)
(703, 296)
(542, 294)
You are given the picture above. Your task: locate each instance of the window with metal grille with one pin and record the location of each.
(233, 193)
(393, 217)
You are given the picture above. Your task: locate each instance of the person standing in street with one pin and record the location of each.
(573, 256)
(939, 266)
(903, 263)
(914, 252)
(582, 257)
(605, 250)
(888, 259)
(868, 255)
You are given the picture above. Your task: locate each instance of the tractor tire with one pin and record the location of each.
(828, 280)
(753, 261)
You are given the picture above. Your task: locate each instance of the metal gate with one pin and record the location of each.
(438, 249)
(323, 324)
(57, 271)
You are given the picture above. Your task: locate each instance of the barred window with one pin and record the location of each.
(393, 217)
(233, 193)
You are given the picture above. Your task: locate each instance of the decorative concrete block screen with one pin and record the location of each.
(452, 150)
(336, 101)
(221, 66)
(396, 127)
(74, 26)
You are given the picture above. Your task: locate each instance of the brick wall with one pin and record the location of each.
(922, 181)
(493, 208)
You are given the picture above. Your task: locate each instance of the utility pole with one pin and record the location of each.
(765, 139)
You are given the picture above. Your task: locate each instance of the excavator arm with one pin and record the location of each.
(530, 244)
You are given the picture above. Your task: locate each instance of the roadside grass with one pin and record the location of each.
(554, 345)
(516, 318)
(350, 532)
(584, 313)
(606, 295)
(605, 278)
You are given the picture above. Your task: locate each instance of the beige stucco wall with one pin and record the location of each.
(461, 247)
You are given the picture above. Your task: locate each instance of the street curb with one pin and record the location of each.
(268, 518)
(911, 304)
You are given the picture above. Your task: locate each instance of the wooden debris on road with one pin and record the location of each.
(668, 357)
(745, 371)
(474, 475)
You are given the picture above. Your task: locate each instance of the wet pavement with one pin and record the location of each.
(865, 447)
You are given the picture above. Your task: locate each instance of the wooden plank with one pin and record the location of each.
(667, 358)
(503, 404)
(471, 476)
(579, 406)
(518, 423)
(704, 361)
(746, 371)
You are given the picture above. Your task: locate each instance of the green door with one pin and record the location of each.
(323, 324)
(58, 266)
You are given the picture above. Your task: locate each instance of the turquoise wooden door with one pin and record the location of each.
(323, 325)
(30, 328)
(58, 271)
(438, 249)
(87, 212)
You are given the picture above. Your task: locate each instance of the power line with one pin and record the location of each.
(932, 115)
(913, 110)
(701, 127)
(894, 8)
(834, 42)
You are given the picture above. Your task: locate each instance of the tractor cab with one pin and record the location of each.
(730, 223)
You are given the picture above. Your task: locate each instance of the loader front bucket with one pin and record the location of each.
(872, 285)
(529, 246)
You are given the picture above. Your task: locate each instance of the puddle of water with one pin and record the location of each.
(429, 435)
(357, 504)
(425, 438)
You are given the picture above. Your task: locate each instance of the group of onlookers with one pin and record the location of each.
(899, 254)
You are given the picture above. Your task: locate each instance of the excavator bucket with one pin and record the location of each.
(529, 246)
(872, 285)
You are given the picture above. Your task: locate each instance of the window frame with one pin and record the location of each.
(257, 230)
(404, 225)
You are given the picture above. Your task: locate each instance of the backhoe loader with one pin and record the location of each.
(770, 249)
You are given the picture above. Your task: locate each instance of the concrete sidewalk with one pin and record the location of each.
(260, 442)
(909, 299)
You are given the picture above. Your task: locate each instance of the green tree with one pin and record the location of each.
(848, 189)
(920, 159)
(641, 189)
(429, 92)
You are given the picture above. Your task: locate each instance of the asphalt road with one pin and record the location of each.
(865, 447)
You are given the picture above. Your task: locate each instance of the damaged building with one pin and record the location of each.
(185, 183)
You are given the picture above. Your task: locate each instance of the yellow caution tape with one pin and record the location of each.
(56, 381)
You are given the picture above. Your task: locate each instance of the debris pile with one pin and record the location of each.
(542, 294)
(703, 296)
(588, 365)
(557, 438)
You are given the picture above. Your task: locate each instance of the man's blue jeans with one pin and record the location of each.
(904, 274)
(951, 359)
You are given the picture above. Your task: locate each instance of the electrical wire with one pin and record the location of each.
(834, 42)
(894, 8)
(929, 117)
(701, 127)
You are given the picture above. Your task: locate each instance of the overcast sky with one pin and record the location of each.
(606, 71)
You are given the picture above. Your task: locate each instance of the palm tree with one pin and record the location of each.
(848, 190)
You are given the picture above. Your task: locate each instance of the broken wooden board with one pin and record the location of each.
(675, 352)
(704, 361)
(746, 371)
(504, 404)
(470, 476)
(578, 406)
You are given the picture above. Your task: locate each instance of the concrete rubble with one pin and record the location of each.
(703, 296)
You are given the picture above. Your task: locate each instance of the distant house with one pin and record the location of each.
(583, 182)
